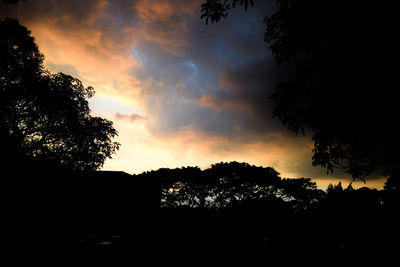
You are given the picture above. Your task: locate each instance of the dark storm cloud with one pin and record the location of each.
(215, 79)
(248, 88)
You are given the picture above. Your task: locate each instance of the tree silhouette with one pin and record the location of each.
(393, 182)
(342, 89)
(214, 10)
(43, 115)
(226, 185)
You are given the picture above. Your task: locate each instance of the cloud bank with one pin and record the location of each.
(179, 92)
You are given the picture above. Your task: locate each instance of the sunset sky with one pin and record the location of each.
(180, 92)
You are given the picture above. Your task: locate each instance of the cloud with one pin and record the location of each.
(129, 117)
(204, 89)
(82, 34)
(181, 72)
(188, 87)
(246, 87)
(166, 23)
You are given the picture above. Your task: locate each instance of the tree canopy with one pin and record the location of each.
(239, 207)
(226, 185)
(342, 90)
(46, 116)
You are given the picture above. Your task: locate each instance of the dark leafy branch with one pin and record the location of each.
(214, 10)
(337, 94)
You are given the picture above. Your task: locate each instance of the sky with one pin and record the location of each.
(180, 92)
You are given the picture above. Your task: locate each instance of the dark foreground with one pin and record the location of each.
(92, 220)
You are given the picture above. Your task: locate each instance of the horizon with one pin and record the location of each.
(320, 183)
(180, 92)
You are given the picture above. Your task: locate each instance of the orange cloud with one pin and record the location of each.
(87, 49)
(98, 12)
(69, 34)
(151, 11)
(165, 22)
(165, 10)
(221, 103)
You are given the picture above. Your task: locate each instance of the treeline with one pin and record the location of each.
(226, 185)
(241, 211)
(228, 212)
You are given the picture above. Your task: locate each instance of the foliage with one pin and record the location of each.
(393, 182)
(239, 207)
(343, 96)
(342, 88)
(43, 115)
(229, 184)
(214, 10)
